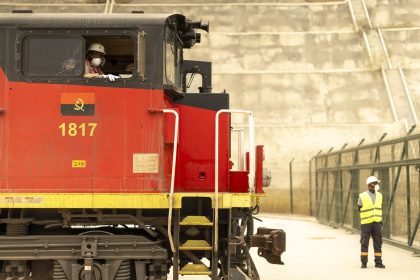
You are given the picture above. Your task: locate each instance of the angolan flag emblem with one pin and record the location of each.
(77, 104)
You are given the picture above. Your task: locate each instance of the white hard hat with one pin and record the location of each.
(97, 47)
(371, 179)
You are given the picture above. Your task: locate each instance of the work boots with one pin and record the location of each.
(378, 265)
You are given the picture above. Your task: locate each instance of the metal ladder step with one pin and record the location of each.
(195, 269)
(196, 245)
(196, 221)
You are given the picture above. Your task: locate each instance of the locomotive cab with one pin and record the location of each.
(57, 54)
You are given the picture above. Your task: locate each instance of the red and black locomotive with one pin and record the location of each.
(122, 178)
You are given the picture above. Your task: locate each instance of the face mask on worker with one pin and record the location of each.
(96, 61)
(377, 188)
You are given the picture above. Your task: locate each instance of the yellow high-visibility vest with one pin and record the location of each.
(370, 212)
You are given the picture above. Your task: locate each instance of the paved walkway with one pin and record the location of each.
(316, 251)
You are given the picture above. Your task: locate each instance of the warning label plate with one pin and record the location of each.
(78, 163)
(19, 199)
(145, 163)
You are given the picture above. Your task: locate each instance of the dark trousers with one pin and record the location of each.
(375, 230)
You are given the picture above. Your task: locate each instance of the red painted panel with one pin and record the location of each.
(3, 89)
(39, 149)
(37, 145)
(238, 181)
(195, 161)
(259, 158)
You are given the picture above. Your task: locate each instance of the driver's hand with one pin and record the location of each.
(111, 77)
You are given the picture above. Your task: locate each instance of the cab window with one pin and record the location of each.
(172, 54)
(119, 54)
(52, 56)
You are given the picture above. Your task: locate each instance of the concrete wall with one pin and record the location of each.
(403, 47)
(308, 99)
(285, 52)
(254, 17)
(394, 13)
(305, 70)
(310, 70)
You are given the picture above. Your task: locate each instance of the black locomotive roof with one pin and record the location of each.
(71, 20)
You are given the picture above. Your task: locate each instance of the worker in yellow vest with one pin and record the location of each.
(370, 208)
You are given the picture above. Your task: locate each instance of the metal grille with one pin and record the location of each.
(337, 178)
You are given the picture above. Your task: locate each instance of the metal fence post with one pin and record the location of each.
(355, 186)
(324, 173)
(339, 206)
(378, 152)
(407, 173)
(394, 188)
(316, 183)
(310, 181)
(355, 160)
(404, 154)
(416, 227)
(337, 178)
(310, 186)
(291, 185)
(384, 174)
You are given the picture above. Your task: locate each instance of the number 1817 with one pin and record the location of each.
(74, 129)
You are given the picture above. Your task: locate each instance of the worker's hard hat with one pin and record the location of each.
(97, 47)
(371, 179)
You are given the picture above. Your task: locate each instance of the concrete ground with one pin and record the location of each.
(315, 251)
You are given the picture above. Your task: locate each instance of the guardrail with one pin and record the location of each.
(339, 176)
(251, 177)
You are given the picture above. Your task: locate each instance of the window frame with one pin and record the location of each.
(177, 58)
(79, 33)
(140, 61)
(44, 36)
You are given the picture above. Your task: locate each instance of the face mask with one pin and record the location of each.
(96, 61)
(377, 188)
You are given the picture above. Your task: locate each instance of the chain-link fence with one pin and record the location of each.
(337, 178)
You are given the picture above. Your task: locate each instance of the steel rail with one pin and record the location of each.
(389, 93)
(368, 48)
(407, 93)
(353, 17)
(385, 49)
(365, 9)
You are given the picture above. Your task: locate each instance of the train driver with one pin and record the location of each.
(95, 59)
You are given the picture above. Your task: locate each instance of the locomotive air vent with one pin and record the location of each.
(22, 12)
(137, 12)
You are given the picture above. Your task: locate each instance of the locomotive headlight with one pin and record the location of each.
(266, 177)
